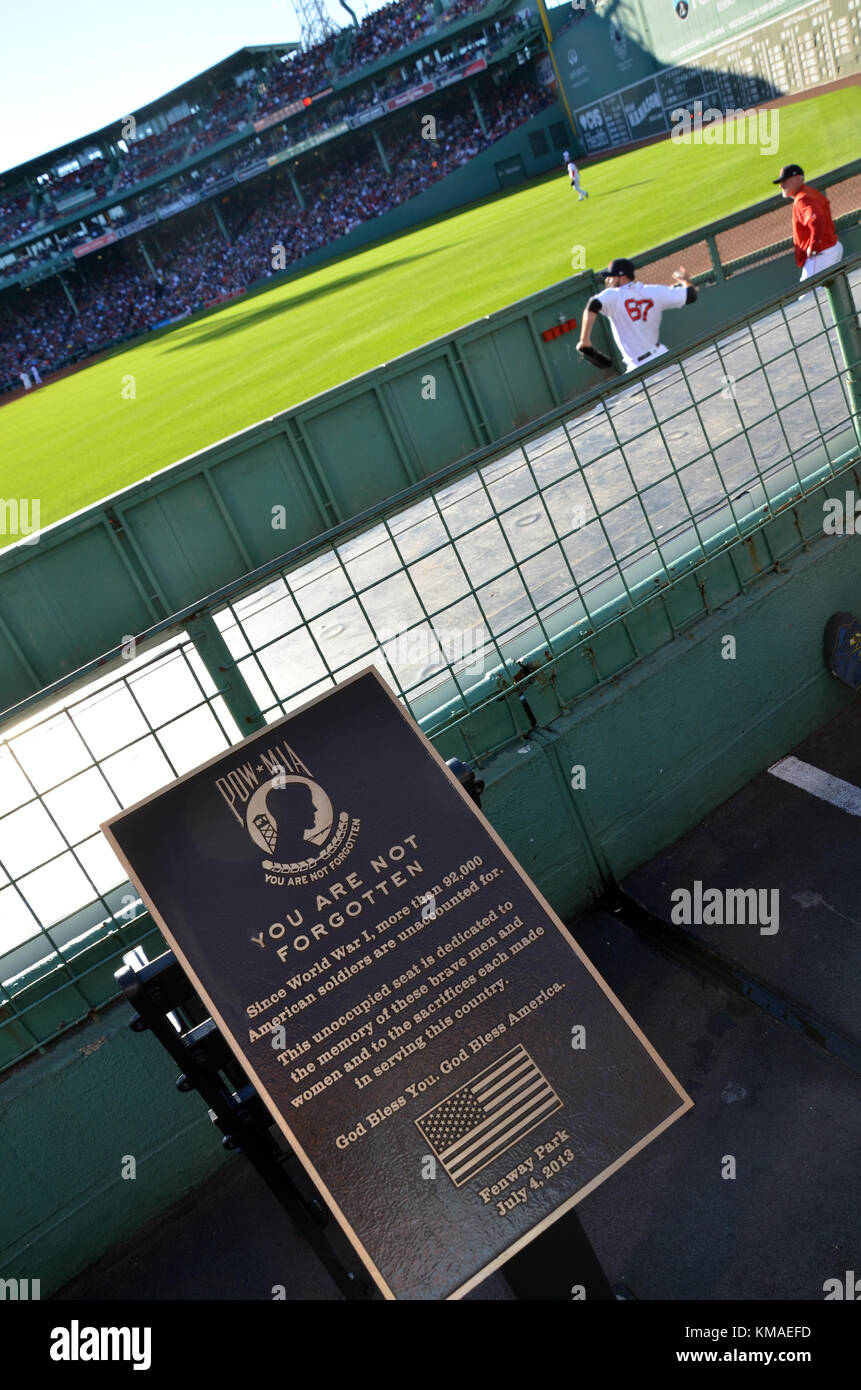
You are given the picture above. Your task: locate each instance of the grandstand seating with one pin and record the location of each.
(160, 150)
(16, 216)
(116, 293)
(229, 112)
(397, 25)
(290, 80)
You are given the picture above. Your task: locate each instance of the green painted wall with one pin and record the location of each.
(68, 1120)
(595, 55)
(663, 740)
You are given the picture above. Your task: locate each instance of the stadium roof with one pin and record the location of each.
(217, 71)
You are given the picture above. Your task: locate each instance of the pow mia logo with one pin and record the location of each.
(288, 816)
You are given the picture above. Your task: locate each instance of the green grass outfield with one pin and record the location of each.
(79, 440)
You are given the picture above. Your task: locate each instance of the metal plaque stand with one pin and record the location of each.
(559, 1265)
(167, 1006)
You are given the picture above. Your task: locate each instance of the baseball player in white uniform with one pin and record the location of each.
(574, 176)
(634, 311)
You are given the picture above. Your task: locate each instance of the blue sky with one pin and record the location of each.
(70, 66)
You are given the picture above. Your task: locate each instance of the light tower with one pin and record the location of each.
(315, 22)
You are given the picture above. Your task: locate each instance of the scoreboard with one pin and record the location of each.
(742, 60)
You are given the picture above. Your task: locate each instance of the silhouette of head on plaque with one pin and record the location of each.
(289, 817)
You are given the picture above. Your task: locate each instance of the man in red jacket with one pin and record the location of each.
(816, 244)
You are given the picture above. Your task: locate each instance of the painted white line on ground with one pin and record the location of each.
(812, 779)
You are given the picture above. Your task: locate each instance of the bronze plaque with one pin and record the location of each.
(445, 1061)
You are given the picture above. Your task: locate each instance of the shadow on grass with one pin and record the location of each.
(626, 187)
(226, 326)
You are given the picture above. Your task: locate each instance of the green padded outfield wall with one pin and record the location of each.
(167, 542)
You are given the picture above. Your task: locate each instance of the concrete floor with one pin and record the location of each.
(776, 836)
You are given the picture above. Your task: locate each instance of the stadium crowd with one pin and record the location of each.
(298, 75)
(396, 25)
(117, 295)
(16, 216)
(94, 176)
(147, 154)
(229, 112)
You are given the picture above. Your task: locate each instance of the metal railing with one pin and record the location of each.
(545, 543)
(518, 554)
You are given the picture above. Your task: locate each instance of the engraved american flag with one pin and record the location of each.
(482, 1119)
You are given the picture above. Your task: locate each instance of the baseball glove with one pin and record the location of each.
(595, 356)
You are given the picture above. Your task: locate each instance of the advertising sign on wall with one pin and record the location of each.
(95, 245)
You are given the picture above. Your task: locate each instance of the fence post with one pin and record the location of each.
(221, 665)
(849, 336)
(711, 243)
